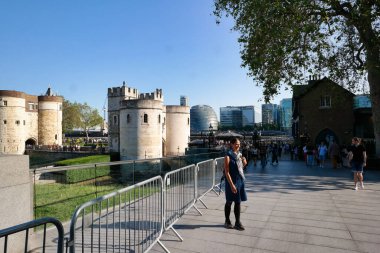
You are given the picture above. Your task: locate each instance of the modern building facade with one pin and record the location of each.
(270, 114)
(140, 126)
(237, 117)
(286, 115)
(29, 120)
(202, 117)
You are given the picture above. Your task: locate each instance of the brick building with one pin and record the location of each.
(323, 111)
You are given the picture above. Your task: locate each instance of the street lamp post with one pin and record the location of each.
(210, 135)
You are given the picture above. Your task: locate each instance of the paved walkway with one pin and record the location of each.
(290, 208)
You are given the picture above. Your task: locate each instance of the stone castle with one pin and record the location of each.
(140, 126)
(29, 120)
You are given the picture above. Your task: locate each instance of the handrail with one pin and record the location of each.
(32, 224)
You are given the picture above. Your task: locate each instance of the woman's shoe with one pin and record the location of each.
(239, 226)
(228, 225)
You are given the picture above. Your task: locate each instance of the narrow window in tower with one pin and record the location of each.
(24, 122)
(5, 122)
(115, 120)
(159, 118)
(188, 121)
(145, 118)
(17, 122)
(5, 103)
(128, 118)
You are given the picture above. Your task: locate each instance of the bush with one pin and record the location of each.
(79, 175)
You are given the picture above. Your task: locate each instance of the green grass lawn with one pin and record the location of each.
(84, 160)
(61, 200)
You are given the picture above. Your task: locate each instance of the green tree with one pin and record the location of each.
(285, 41)
(77, 115)
(90, 117)
(71, 117)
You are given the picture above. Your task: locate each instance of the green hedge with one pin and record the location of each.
(79, 175)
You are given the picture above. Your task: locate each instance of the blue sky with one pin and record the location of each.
(82, 47)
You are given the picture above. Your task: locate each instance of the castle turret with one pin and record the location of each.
(141, 129)
(177, 129)
(50, 119)
(13, 122)
(115, 96)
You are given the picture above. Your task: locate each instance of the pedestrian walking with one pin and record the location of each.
(274, 154)
(334, 153)
(234, 163)
(358, 160)
(255, 154)
(322, 152)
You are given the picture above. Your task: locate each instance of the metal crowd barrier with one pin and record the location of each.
(128, 220)
(219, 175)
(26, 227)
(133, 219)
(205, 178)
(179, 195)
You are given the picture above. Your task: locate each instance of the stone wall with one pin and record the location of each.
(50, 123)
(12, 125)
(177, 129)
(16, 196)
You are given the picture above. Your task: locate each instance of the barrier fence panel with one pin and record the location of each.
(59, 190)
(179, 195)
(10, 237)
(219, 175)
(128, 220)
(205, 172)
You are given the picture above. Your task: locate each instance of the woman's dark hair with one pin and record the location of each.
(233, 140)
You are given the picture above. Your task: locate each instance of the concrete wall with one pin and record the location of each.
(15, 196)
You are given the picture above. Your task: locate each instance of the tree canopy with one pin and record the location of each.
(286, 41)
(77, 115)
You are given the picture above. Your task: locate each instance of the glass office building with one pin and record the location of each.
(270, 114)
(237, 116)
(286, 115)
(201, 116)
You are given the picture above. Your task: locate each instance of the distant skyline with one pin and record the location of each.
(82, 48)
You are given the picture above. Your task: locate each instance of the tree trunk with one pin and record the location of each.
(374, 86)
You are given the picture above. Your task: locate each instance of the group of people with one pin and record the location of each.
(263, 152)
(235, 163)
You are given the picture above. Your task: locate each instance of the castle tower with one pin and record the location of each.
(177, 129)
(50, 119)
(13, 122)
(141, 128)
(115, 96)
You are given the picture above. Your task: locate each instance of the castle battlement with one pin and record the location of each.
(157, 95)
(140, 128)
(123, 91)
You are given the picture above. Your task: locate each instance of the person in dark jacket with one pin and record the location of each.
(358, 159)
(234, 163)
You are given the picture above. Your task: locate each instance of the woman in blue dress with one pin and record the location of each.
(234, 163)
